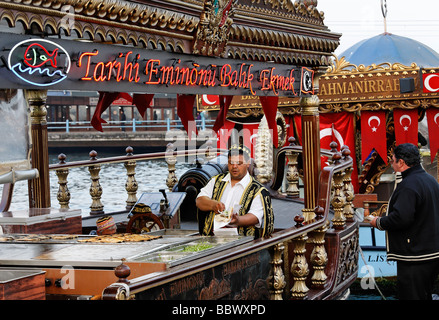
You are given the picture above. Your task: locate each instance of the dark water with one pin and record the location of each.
(370, 296)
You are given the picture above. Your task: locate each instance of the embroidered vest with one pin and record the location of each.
(206, 219)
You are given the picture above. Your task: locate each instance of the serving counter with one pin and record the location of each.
(84, 265)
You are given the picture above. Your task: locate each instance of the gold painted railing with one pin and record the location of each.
(305, 240)
(130, 161)
(336, 192)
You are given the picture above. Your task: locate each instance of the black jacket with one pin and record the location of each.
(412, 219)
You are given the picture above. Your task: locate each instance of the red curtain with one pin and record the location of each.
(223, 135)
(269, 105)
(373, 134)
(250, 131)
(222, 114)
(141, 101)
(105, 100)
(185, 105)
(406, 126)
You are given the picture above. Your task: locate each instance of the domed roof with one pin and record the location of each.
(391, 48)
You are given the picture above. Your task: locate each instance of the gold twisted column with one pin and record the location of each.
(338, 202)
(131, 185)
(348, 190)
(95, 188)
(171, 160)
(39, 188)
(299, 268)
(292, 175)
(319, 257)
(277, 278)
(63, 194)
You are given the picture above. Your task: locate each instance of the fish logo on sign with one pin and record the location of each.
(39, 62)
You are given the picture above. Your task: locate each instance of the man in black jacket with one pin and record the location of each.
(412, 226)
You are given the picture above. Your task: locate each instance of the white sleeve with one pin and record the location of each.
(207, 190)
(257, 209)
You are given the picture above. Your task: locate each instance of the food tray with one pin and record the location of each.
(178, 253)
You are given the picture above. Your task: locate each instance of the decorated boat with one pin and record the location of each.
(135, 50)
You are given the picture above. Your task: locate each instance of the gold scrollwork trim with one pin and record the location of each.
(379, 105)
(342, 66)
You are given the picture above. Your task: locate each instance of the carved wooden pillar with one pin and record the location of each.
(131, 185)
(63, 194)
(171, 160)
(338, 202)
(319, 257)
(277, 278)
(95, 188)
(39, 188)
(292, 172)
(311, 153)
(299, 268)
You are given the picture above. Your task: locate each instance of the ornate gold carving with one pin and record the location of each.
(292, 175)
(276, 279)
(349, 193)
(37, 100)
(63, 194)
(342, 66)
(213, 29)
(171, 160)
(319, 257)
(263, 153)
(348, 257)
(131, 185)
(309, 105)
(96, 206)
(162, 26)
(115, 21)
(338, 201)
(299, 268)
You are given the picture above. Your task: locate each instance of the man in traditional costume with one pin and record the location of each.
(237, 195)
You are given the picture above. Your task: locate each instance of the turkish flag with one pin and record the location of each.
(209, 100)
(431, 82)
(185, 106)
(433, 131)
(338, 127)
(373, 134)
(406, 126)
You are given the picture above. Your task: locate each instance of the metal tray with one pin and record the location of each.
(176, 254)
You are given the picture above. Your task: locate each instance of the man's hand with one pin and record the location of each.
(246, 220)
(218, 206)
(206, 204)
(372, 220)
